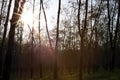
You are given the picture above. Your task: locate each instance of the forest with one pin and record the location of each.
(59, 39)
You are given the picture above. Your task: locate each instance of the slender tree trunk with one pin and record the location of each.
(32, 43)
(57, 33)
(18, 46)
(40, 64)
(82, 35)
(81, 44)
(20, 52)
(89, 47)
(32, 51)
(115, 37)
(47, 26)
(56, 45)
(110, 34)
(20, 40)
(4, 36)
(3, 1)
(10, 47)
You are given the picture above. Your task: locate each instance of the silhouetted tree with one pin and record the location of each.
(39, 27)
(80, 63)
(32, 41)
(56, 45)
(4, 34)
(10, 47)
(46, 26)
(113, 35)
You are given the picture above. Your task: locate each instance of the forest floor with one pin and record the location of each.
(101, 74)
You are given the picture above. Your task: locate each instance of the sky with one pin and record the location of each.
(51, 8)
(51, 12)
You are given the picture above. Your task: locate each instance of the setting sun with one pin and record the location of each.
(27, 17)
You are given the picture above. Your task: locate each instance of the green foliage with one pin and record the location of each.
(101, 74)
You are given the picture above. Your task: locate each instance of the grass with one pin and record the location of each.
(105, 75)
(101, 74)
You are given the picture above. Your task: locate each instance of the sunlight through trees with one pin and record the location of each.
(59, 39)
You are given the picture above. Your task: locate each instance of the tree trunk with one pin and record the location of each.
(40, 64)
(115, 38)
(82, 38)
(32, 43)
(10, 47)
(56, 45)
(47, 26)
(3, 1)
(80, 62)
(4, 36)
(111, 34)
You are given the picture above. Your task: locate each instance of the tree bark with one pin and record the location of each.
(4, 36)
(10, 47)
(80, 60)
(82, 35)
(115, 38)
(111, 35)
(47, 26)
(40, 64)
(56, 45)
(32, 43)
(3, 1)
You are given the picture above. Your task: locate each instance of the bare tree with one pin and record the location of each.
(40, 64)
(80, 63)
(10, 47)
(50, 43)
(112, 35)
(82, 36)
(56, 45)
(116, 35)
(4, 34)
(47, 26)
(32, 42)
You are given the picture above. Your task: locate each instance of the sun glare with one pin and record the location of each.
(27, 17)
